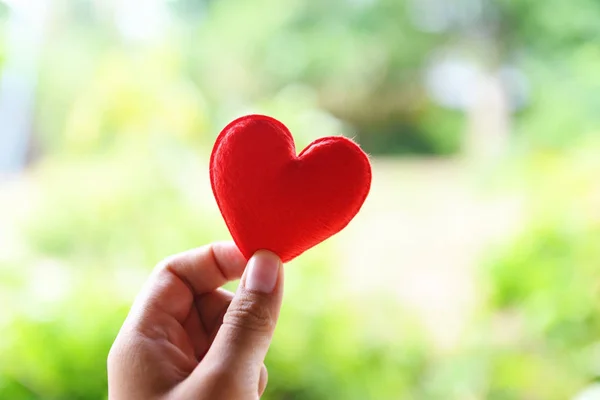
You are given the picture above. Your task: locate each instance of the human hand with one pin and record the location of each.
(187, 338)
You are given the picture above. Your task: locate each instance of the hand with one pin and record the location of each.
(187, 338)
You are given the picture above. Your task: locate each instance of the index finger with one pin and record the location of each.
(205, 268)
(179, 278)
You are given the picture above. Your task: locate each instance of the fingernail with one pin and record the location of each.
(263, 271)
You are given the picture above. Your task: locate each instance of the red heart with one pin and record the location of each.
(272, 199)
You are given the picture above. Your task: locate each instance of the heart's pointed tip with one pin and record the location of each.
(284, 254)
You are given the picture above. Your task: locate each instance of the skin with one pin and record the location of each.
(187, 338)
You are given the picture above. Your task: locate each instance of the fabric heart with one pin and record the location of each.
(276, 200)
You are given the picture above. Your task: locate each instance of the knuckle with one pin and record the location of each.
(165, 264)
(250, 314)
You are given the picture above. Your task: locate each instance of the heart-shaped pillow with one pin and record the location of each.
(276, 200)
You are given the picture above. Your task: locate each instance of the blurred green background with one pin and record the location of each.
(473, 270)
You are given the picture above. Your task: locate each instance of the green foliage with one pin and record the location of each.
(549, 26)
(544, 288)
(58, 350)
(363, 63)
(559, 81)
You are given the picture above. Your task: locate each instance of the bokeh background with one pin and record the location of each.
(472, 271)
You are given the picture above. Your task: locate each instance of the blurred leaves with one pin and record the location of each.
(547, 283)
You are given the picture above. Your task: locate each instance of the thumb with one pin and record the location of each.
(243, 340)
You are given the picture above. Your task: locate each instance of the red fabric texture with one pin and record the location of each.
(276, 200)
